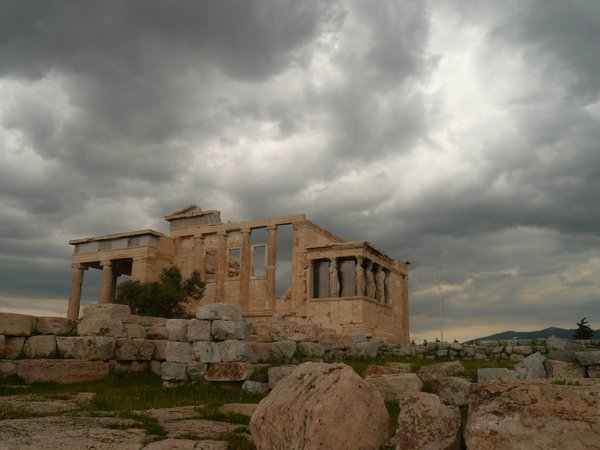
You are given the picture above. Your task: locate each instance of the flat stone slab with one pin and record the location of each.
(61, 370)
(186, 444)
(246, 409)
(198, 428)
(68, 433)
(42, 404)
(16, 324)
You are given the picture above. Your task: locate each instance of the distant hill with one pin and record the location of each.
(541, 334)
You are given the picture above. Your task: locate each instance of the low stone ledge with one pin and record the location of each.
(8, 367)
(101, 326)
(219, 311)
(43, 346)
(61, 370)
(13, 346)
(16, 324)
(93, 348)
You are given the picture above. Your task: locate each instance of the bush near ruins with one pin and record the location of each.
(163, 298)
(583, 331)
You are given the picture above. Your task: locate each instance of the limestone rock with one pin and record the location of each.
(446, 369)
(177, 329)
(454, 390)
(524, 350)
(236, 371)
(196, 371)
(531, 367)
(207, 352)
(425, 422)
(321, 406)
(198, 330)
(134, 331)
(291, 331)
(55, 325)
(187, 444)
(174, 371)
(134, 349)
(563, 369)
(520, 414)
(278, 373)
(61, 370)
(8, 367)
(40, 347)
(487, 375)
(107, 310)
(394, 386)
(230, 329)
(311, 349)
(158, 332)
(2, 345)
(179, 352)
(282, 350)
(563, 349)
(366, 350)
(593, 371)
(13, 346)
(160, 350)
(234, 351)
(219, 311)
(101, 326)
(16, 324)
(100, 348)
(588, 358)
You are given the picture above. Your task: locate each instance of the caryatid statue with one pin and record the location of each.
(380, 284)
(359, 273)
(334, 281)
(370, 280)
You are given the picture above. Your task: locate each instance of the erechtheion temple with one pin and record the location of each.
(280, 266)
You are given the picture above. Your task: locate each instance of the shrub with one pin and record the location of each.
(164, 298)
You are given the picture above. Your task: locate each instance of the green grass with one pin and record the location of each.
(212, 412)
(8, 412)
(121, 392)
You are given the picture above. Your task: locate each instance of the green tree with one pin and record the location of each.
(164, 298)
(583, 331)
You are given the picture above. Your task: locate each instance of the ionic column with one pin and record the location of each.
(271, 257)
(405, 323)
(246, 267)
(199, 255)
(107, 282)
(75, 295)
(221, 267)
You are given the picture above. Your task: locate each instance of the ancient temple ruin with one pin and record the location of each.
(313, 276)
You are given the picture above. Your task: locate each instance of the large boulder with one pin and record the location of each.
(490, 374)
(563, 349)
(394, 386)
(588, 358)
(531, 367)
(563, 369)
(454, 390)
(425, 422)
(278, 373)
(534, 414)
(321, 406)
(16, 324)
(428, 374)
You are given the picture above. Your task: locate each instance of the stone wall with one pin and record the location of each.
(218, 345)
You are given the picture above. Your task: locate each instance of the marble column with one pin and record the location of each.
(221, 267)
(359, 272)
(75, 295)
(271, 257)
(246, 267)
(107, 282)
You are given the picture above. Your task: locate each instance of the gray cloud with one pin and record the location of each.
(364, 116)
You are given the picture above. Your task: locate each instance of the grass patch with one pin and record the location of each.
(121, 392)
(10, 412)
(150, 424)
(212, 412)
(565, 382)
(393, 408)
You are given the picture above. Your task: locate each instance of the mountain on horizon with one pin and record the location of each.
(541, 334)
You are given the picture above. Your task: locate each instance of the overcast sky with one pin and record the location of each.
(471, 124)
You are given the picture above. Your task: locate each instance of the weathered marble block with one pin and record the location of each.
(219, 311)
(198, 330)
(40, 347)
(177, 329)
(16, 324)
(230, 329)
(100, 348)
(179, 352)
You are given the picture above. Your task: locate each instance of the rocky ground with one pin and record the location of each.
(67, 423)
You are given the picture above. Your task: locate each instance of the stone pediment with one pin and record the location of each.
(190, 210)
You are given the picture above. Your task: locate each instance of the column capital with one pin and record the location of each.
(79, 266)
(107, 263)
(245, 230)
(221, 233)
(272, 227)
(198, 236)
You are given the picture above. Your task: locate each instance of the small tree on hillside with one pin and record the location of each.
(164, 298)
(583, 331)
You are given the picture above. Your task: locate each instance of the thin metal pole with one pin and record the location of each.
(440, 290)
